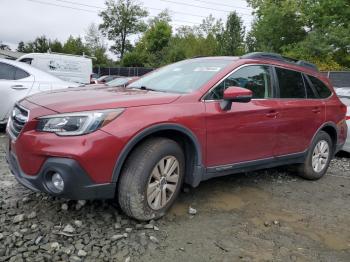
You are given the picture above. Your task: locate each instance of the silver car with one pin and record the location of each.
(18, 80)
(344, 95)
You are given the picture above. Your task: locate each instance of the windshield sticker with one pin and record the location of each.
(207, 69)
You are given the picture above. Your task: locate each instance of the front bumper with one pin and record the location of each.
(78, 185)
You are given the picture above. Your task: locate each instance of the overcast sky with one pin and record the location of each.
(23, 20)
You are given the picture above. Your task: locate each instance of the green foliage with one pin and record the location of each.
(313, 30)
(41, 44)
(276, 25)
(134, 59)
(317, 31)
(232, 39)
(94, 42)
(75, 46)
(121, 19)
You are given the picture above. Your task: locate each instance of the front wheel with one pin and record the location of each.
(318, 157)
(151, 179)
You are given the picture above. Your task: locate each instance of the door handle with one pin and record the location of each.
(272, 114)
(316, 110)
(19, 87)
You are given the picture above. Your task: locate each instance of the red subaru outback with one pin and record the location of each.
(184, 123)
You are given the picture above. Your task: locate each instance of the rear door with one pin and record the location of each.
(15, 84)
(301, 112)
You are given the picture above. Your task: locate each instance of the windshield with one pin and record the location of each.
(182, 77)
(119, 81)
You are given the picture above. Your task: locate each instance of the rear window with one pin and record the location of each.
(322, 90)
(291, 83)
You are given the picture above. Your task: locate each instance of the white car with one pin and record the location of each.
(344, 95)
(18, 80)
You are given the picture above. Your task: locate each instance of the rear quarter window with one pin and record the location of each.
(20, 74)
(7, 72)
(320, 87)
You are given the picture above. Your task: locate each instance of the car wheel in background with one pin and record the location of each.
(2, 127)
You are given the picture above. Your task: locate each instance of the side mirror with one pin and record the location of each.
(235, 94)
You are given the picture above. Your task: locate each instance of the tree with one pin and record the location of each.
(56, 46)
(121, 19)
(210, 25)
(96, 45)
(150, 49)
(41, 45)
(232, 39)
(277, 24)
(21, 47)
(75, 46)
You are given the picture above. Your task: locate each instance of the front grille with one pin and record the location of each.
(19, 118)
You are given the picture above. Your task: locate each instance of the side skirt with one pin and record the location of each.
(248, 166)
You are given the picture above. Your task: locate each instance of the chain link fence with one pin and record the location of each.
(339, 78)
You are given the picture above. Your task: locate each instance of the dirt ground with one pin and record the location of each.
(270, 215)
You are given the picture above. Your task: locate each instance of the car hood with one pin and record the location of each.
(98, 98)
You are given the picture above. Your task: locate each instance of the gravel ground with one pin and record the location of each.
(270, 215)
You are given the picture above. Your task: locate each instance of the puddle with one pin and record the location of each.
(221, 200)
(224, 201)
(336, 241)
(179, 209)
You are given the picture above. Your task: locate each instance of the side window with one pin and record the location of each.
(7, 72)
(26, 60)
(20, 74)
(310, 93)
(291, 83)
(322, 90)
(255, 78)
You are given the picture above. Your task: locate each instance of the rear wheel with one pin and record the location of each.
(151, 179)
(318, 158)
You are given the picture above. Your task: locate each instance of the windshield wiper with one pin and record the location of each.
(147, 88)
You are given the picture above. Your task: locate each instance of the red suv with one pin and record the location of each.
(184, 123)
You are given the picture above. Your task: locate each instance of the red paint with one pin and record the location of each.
(234, 92)
(260, 129)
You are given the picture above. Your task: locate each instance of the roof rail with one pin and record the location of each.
(278, 57)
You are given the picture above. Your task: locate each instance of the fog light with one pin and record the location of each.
(57, 182)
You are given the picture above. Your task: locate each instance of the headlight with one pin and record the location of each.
(80, 123)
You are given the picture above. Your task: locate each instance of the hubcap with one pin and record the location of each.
(320, 156)
(163, 182)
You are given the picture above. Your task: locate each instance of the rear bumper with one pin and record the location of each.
(77, 184)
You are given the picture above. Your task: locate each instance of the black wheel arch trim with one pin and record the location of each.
(199, 170)
(327, 124)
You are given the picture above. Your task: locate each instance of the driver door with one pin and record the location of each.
(247, 131)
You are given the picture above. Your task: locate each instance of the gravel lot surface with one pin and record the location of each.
(270, 215)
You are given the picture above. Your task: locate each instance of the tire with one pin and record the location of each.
(310, 171)
(2, 127)
(142, 170)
